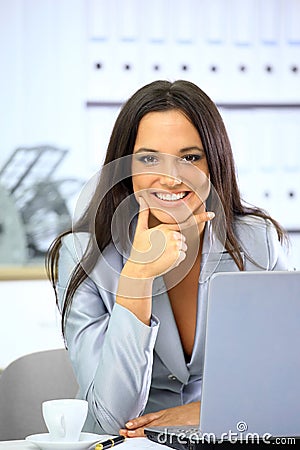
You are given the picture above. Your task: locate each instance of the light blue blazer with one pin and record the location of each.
(125, 368)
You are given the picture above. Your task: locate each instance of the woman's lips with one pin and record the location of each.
(170, 199)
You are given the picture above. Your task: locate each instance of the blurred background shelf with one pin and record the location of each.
(28, 272)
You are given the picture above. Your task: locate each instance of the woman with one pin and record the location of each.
(131, 277)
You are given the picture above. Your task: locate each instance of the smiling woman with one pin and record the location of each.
(131, 277)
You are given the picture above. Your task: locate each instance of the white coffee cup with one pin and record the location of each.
(65, 418)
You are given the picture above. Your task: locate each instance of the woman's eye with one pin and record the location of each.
(191, 158)
(148, 159)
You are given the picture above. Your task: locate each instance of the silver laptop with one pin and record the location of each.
(251, 379)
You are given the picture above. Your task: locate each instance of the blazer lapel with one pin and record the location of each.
(168, 344)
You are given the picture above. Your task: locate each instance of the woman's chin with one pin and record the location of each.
(167, 218)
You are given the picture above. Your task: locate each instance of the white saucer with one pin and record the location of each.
(85, 441)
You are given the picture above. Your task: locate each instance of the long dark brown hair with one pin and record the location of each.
(204, 115)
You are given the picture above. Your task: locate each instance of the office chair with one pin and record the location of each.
(25, 384)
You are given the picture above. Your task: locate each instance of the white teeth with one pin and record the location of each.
(170, 197)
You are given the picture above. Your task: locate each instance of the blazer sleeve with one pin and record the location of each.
(110, 349)
(278, 255)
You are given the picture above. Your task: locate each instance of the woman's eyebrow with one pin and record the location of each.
(193, 147)
(143, 149)
(182, 150)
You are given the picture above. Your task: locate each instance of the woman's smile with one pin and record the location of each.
(172, 198)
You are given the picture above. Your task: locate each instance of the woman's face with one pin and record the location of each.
(169, 167)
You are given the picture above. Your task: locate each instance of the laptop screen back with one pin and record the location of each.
(251, 380)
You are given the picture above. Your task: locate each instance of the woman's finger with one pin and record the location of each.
(139, 432)
(197, 219)
(193, 220)
(143, 217)
(142, 420)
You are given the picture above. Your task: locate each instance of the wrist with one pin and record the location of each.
(135, 293)
(135, 271)
(134, 284)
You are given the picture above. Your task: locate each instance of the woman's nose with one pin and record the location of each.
(170, 181)
(170, 172)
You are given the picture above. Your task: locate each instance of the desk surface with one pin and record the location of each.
(134, 444)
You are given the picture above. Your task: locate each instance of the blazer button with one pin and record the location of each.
(172, 377)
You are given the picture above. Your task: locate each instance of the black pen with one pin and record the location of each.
(111, 442)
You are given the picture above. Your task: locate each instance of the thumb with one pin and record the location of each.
(142, 223)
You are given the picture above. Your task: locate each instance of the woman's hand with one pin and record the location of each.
(155, 251)
(180, 415)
